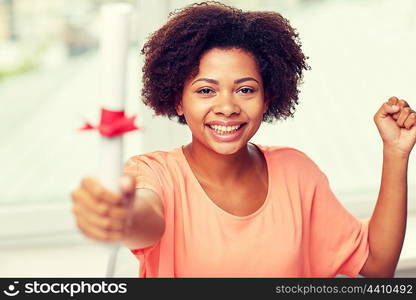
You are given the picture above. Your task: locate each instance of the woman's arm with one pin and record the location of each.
(146, 223)
(388, 223)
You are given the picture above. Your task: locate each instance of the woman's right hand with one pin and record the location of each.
(101, 214)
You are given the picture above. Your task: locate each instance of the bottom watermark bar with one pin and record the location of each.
(256, 288)
(64, 287)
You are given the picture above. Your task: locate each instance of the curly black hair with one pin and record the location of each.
(173, 52)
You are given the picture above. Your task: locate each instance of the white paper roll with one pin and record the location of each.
(115, 25)
(115, 28)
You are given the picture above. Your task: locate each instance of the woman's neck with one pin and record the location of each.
(210, 166)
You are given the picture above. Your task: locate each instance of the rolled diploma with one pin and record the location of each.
(115, 25)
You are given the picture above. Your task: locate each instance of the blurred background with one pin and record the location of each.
(361, 53)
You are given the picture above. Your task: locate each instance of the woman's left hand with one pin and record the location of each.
(396, 122)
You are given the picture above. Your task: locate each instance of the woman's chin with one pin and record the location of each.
(225, 148)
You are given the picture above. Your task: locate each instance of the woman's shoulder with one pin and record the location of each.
(289, 158)
(283, 151)
(158, 157)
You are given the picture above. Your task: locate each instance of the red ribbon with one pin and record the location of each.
(113, 123)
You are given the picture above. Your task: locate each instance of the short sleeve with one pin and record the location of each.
(146, 177)
(338, 240)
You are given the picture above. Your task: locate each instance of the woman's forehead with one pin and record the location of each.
(230, 62)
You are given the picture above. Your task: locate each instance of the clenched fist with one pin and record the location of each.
(396, 121)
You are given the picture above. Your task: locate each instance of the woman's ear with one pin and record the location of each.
(178, 108)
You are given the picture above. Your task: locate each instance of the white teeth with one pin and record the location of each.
(223, 129)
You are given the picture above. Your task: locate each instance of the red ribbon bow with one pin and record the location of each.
(113, 123)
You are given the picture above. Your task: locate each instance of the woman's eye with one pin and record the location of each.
(205, 91)
(246, 90)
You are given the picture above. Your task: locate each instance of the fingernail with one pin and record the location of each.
(394, 107)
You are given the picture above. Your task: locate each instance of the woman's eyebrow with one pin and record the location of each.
(245, 79)
(213, 81)
(237, 81)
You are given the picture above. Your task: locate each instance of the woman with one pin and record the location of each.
(222, 206)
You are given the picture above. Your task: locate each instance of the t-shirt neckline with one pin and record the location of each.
(222, 211)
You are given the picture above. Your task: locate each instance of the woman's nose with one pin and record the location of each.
(226, 105)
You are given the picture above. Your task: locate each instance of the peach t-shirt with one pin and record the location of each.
(301, 230)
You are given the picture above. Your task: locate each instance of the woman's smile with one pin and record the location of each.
(226, 131)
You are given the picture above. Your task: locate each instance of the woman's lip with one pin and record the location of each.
(226, 137)
(220, 123)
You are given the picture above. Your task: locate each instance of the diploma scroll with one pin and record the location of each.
(114, 40)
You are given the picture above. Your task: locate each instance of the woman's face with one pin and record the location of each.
(224, 103)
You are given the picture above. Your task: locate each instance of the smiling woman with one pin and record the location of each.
(222, 206)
